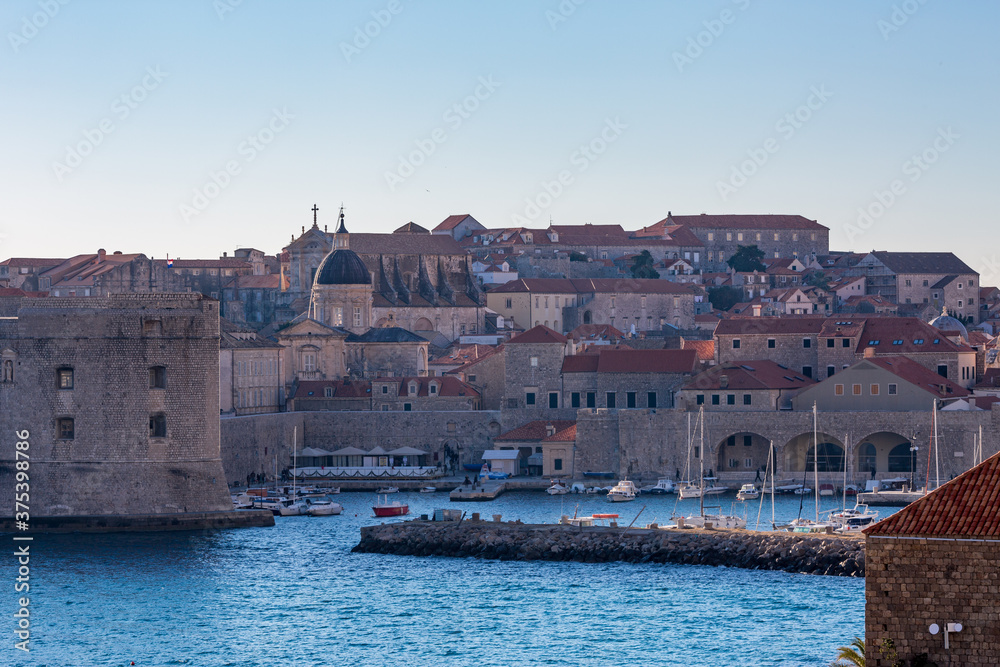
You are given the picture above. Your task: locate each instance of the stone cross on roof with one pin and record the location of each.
(315, 209)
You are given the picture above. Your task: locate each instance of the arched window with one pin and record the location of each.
(866, 458)
(900, 458)
(831, 458)
(587, 317)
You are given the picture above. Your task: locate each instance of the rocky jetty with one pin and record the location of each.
(789, 552)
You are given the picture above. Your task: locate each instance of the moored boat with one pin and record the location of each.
(428, 489)
(387, 489)
(384, 508)
(623, 491)
(323, 507)
(747, 492)
(557, 489)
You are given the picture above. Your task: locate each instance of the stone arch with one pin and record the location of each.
(733, 452)
(901, 458)
(382, 323)
(799, 451)
(588, 318)
(423, 324)
(873, 452)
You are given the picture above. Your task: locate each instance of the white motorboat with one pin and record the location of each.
(324, 507)
(803, 491)
(428, 489)
(623, 491)
(663, 485)
(689, 491)
(856, 518)
(726, 521)
(387, 489)
(747, 492)
(557, 489)
(712, 488)
(294, 508)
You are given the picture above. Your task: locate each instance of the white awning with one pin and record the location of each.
(501, 454)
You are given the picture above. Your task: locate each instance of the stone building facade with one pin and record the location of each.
(532, 365)
(120, 396)
(626, 379)
(250, 377)
(931, 576)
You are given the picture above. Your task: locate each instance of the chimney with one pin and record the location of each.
(756, 309)
(869, 352)
(101, 254)
(550, 430)
(724, 382)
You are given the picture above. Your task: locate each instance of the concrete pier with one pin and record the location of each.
(489, 490)
(789, 552)
(145, 522)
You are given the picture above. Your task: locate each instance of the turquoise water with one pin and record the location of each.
(295, 595)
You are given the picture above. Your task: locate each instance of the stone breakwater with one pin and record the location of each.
(789, 552)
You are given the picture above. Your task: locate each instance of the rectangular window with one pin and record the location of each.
(830, 342)
(357, 316)
(309, 362)
(846, 342)
(715, 399)
(856, 389)
(407, 407)
(807, 342)
(830, 370)
(739, 236)
(731, 441)
(892, 389)
(747, 399)
(508, 303)
(629, 399)
(730, 399)
(651, 399)
(697, 452)
(729, 236)
(807, 371)
(777, 237)
(338, 317)
(711, 236)
(943, 370)
(591, 399)
(158, 377)
(64, 427)
(385, 389)
(529, 398)
(557, 464)
(838, 390)
(699, 399)
(874, 390)
(770, 343)
(64, 378)
(533, 361)
(612, 399)
(736, 343)
(553, 399)
(158, 426)
(574, 399)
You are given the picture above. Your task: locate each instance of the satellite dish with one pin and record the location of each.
(934, 629)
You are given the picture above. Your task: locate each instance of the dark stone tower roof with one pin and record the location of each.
(343, 267)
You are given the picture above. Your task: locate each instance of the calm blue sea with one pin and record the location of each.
(295, 595)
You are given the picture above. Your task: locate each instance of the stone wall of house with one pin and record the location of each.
(649, 312)
(112, 461)
(541, 376)
(372, 360)
(912, 583)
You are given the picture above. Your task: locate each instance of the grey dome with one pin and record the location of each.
(946, 322)
(343, 267)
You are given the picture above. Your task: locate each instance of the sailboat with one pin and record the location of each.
(295, 506)
(686, 489)
(701, 520)
(801, 525)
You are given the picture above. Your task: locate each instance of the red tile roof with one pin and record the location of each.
(966, 507)
(227, 263)
(536, 430)
(747, 375)
(647, 361)
(704, 348)
(31, 261)
(591, 331)
(593, 285)
(743, 222)
(538, 334)
(909, 370)
(990, 379)
(448, 386)
(317, 389)
(565, 435)
(462, 354)
(16, 291)
(450, 222)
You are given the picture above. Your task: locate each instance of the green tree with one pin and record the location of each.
(724, 298)
(575, 256)
(853, 654)
(817, 279)
(642, 267)
(747, 259)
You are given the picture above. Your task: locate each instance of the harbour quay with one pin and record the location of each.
(833, 555)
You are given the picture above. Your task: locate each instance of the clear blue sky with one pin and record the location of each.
(676, 122)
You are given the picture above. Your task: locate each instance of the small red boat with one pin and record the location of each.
(385, 508)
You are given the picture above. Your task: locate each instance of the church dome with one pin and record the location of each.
(343, 267)
(945, 322)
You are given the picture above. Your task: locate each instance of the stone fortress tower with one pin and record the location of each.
(120, 395)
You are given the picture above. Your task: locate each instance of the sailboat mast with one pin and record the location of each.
(816, 460)
(295, 445)
(701, 459)
(847, 442)
(772, 462)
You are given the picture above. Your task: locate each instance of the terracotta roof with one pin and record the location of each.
(536, 430)
(966, 507)
(647, 361)
(591, 331)
(465, 367)
(990, 379)
(451, 222)
(411, 228)
(580, 363)
(317, 389)
(743, 222)
(747, 375)
(909, 370)
(903, 335)
(16, 291)
(462, 354)
(538, 334)
(31, 261)
(448, 386)
(922, 262)
(704, 348)
(404, 244)
(226, 263)
(736, 326)
(593, 285)
(565, 435)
